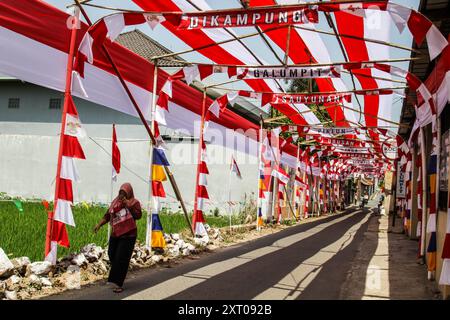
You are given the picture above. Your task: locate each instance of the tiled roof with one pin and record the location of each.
(146, 47)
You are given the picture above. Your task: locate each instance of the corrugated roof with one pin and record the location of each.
(146, 47)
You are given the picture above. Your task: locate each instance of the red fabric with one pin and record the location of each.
(419, 26)
(203, 168)
(59, 234)
(202, 192)
(65, 191)
(158, 189)
(72, 148)
(115, 152)
(71, 109)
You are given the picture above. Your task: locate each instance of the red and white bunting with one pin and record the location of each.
(220, 104)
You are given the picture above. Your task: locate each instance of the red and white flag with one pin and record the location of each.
(115, 155)
(281, 175)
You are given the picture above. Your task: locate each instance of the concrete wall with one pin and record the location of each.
(29, 138)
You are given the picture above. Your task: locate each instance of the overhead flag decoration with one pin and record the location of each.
(159, 160)
(115, 155)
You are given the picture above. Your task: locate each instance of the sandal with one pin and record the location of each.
(117, 290)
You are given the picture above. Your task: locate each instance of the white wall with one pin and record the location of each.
(29, 145)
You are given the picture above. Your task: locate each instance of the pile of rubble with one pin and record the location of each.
(22, 279)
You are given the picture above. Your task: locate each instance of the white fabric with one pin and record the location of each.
(191, 73)
(201, 203)
(86, 47)
(431, 223)
(52, 255)
(63, 212)
(436, 42)
(167, 88)
(400, 15)
(157, 204)
(445, 273)
(200, 229)
(77, 84)
(73, 127)
(160, 116)
(69, 169)
(202, 179)
(115, 24)
(288, 160)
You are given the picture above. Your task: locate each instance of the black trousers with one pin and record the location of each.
(120, 251)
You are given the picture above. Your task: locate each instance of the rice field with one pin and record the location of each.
(23, 233)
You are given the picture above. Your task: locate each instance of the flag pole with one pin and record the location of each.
(148, 234)
(67, 96)
(259, 147)
(424, 194)
(199, 154)
(111, 193)
(141, 116)
(229, 196)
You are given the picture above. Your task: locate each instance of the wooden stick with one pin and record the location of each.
(138, 110)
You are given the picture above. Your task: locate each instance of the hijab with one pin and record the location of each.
(116, 204)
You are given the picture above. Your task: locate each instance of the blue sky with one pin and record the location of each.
(174, 44)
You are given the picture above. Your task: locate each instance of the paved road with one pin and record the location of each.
(307, 261)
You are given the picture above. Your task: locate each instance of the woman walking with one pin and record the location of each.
(122, 213)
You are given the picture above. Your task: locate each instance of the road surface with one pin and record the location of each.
(306, 261)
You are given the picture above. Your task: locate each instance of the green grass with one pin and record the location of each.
(23, 234)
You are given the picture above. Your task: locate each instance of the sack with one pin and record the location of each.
(123, 222)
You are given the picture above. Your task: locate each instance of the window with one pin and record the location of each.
(55, 103)
(13, 103)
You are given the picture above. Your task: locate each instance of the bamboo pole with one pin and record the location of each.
(138, 110)
(259, 201)
(150, 195)
(199, 151)
(67, 97)
(424, 195)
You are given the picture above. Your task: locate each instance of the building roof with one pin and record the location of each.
(437, 12)
(146, 47)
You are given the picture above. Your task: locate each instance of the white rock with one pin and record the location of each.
(156, 258)
(190, 246)
(11, 295)
(6, 266)
(186, 252)
(39, 268)
(73, 269)
(180, 243)
(175, 251)
(92, 252)
(35, 280)
(201, 241)
(46, 282)
(79, 260)
(14, 279)
(207, 227)
(102, 267)
(175, 236)
(20, 264)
